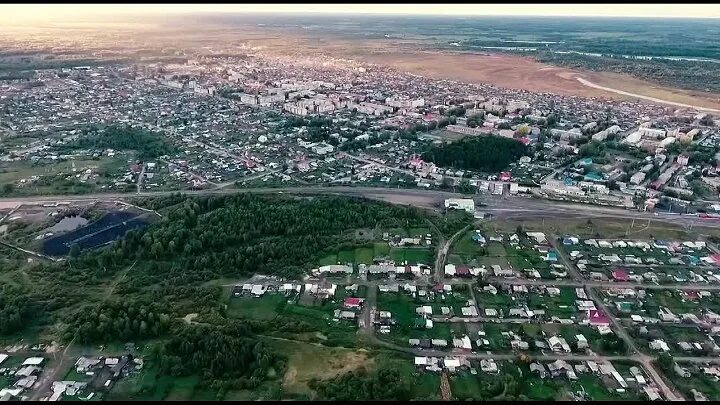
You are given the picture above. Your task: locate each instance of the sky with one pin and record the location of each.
(38, 13)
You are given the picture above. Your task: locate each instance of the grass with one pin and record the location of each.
(401, 306)
(606, 227)
(108, 169)
(366, 254)
(412, 256)
(464, 386)
(562, 305)
(426, 386)
(73, 375)
(501, 300)
(261, 308)
(307, 361)
(698, 381)
(150, 385)
(673, 300)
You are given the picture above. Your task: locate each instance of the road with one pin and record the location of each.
(645, 360)
(653, 99)
(141, 177)
(439, 271)
(506, 207)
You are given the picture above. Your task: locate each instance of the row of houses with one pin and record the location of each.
(20, 378)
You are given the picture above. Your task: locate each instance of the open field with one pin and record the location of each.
(608, 228)
(307, 361)
(365, 255)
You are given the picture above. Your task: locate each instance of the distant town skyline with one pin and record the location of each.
(31, 13)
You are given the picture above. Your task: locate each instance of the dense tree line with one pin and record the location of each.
(218, 353)
(117, 320)
(386, 383)
(486, 153)
(14, 309)
(148, 144)
(246, 234)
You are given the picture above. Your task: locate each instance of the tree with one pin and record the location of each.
(475, 120)
(665, 361)
(7, 188)
(74, 250)
(707, 120)
(523, 130)
(485, 153)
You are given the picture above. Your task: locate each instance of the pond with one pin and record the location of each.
(111, 226)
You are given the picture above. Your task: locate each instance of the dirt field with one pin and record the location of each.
(517, 72)
(307, 361)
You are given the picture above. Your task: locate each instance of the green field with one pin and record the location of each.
(261, 308)
(365, 255)
(52, 174)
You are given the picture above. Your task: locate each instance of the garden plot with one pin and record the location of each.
(481, 248)
(545, 337)
(676, 339)
(625, 260)
(413, 246)
(411, 324)
(516, 381)
(697, 381)
(532, 302)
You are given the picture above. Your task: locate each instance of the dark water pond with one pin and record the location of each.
(111, 226)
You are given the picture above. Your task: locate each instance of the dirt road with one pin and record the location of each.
(640, 96)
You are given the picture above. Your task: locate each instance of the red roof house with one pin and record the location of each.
(691, 295)
(620, 275)
(462, 271)
(597, 318)
(716, 258)
(353, 303)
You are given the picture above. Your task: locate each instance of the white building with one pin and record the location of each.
(466, 204)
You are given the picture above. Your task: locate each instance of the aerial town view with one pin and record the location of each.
(360, 202)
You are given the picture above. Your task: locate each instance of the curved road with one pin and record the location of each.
(653, 99)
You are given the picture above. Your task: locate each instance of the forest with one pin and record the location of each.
(139, 288)
(386, 383)
(14, 309)
(117, 320)
(219, 353)
(486, 153)
(149, 144)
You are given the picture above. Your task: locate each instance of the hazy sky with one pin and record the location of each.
(28, 13)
